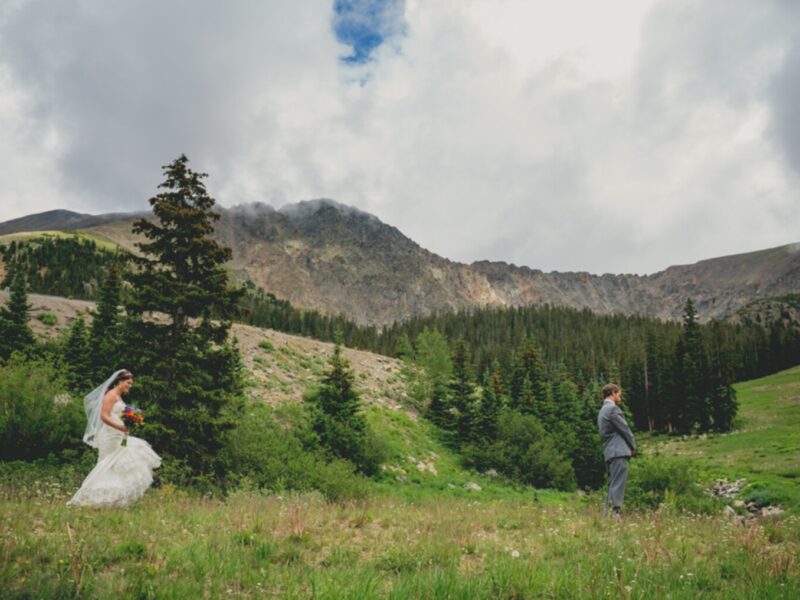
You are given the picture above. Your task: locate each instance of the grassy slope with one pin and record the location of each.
(764, 449)
(102, 241)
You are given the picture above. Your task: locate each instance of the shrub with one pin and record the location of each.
(764, 494)
(48, 319)
(660, 480)
(523, 452)
(37, 417)
(274, 451)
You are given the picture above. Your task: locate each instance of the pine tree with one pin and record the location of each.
(105, 331)
(15, 334)
(587, 454)
(188, 373)
(336, 415)
(77, 358)
(722, 396)
(490, 406)
(462, 393)
(440, 409)
(691, 369)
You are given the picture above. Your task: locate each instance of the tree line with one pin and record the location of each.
(72, 266)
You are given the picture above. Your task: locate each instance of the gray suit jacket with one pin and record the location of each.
(617, 436)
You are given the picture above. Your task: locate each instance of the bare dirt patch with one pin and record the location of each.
(279, 366)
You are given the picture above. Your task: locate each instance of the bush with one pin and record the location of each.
(659, 480)
(523, 452)
(274, 451)
(765, 495)
(48, 319)
(37, 417)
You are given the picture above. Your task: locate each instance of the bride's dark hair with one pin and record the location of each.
(122, 376)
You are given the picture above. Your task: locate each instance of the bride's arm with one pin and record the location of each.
(105, 415)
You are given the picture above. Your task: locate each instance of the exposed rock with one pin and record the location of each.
(771, 511)
(722, 488)
(339, 260)
(471, 486)
(428, 467)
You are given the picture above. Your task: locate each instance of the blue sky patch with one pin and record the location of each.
(366, 24)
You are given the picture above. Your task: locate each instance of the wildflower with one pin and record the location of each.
(514, 554)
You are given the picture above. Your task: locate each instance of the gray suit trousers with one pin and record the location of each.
(617, 477)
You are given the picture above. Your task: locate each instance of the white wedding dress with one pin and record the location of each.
(122, 473)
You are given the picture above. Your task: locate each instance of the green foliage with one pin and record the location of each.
(78, 370)
(426, 370)
(48, 319)
(15, 334)
(188, 374)
(37, 418)
(764, 494)
(71, 266)
(657, 480)
(676, 377)
(274, 451)
(106, 332)
(264, 309)
(523, 452)
(337, 418)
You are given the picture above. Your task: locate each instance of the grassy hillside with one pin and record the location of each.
(102, 241)
(764, 448)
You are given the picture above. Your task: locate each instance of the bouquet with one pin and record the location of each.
(132, 417)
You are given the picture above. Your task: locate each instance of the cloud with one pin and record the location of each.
(582, 136)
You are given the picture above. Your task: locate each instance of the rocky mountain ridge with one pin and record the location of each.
(324, 255)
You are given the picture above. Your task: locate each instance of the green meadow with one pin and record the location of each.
(420, 532)
(764, 449)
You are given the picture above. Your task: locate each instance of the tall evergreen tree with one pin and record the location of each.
(15, 334)
(105, 331)
(490, 406)
(77, 358)
(691, 368)
(721, 395)
(337, 417)
(188, 373)
(462, 393)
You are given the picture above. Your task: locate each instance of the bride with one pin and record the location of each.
(123, 471)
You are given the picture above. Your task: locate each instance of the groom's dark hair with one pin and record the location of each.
(609, 390)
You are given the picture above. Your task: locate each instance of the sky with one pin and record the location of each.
(608, 137)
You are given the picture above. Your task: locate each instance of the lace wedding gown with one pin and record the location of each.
(122, 473)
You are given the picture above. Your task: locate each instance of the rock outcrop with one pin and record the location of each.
(340, 260)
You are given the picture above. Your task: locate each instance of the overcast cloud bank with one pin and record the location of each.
(572, 138)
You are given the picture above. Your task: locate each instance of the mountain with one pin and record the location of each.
(64, 220)
(324, 255)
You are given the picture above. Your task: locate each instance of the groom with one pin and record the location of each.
(618, 446)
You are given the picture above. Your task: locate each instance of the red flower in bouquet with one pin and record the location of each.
(132, 417)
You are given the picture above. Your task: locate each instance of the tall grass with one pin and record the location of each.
(176, 545)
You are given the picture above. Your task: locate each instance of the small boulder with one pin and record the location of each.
(471, 486)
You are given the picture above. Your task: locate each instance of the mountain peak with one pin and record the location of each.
(307, 208)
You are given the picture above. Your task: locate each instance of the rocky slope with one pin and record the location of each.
(280, 366)
(323, 255)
